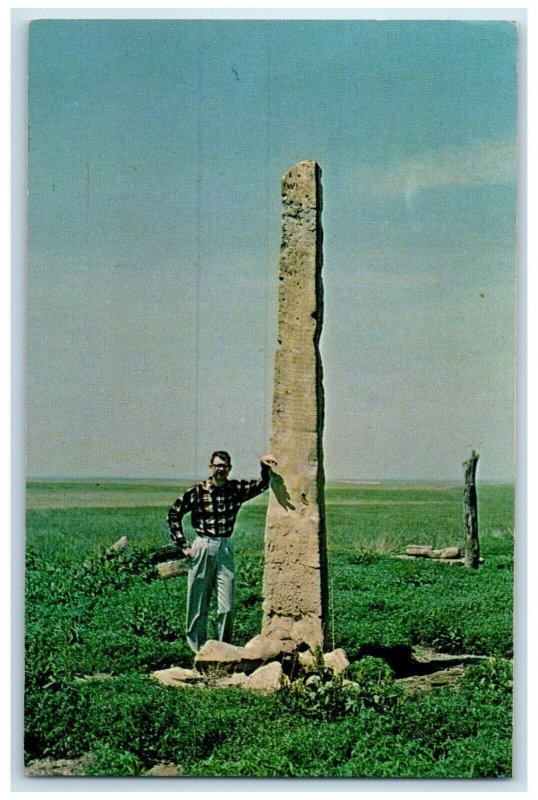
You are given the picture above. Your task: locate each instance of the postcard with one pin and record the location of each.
(271, 371)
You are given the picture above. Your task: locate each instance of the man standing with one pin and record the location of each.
(213, 505)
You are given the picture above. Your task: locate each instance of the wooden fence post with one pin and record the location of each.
(472, 545)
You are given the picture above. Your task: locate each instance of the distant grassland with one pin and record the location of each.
(100, 494)
(108, 493)
(357, 514)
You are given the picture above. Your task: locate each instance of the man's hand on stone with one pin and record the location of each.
(269, 461)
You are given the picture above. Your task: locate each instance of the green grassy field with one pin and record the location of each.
(86, 616)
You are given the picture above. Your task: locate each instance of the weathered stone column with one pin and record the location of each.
(295, 579)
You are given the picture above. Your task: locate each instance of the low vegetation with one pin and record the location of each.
(96, 628)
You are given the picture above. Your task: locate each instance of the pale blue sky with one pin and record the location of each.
(155, 158)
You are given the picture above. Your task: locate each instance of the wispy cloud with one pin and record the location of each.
(484, 162)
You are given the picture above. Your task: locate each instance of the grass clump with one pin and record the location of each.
(322, 694)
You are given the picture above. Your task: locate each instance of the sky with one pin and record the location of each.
(156, 150)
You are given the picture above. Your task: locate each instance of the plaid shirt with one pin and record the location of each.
(214, 509)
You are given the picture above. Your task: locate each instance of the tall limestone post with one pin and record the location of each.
(295, 578)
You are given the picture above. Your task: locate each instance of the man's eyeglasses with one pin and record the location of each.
(220, 466)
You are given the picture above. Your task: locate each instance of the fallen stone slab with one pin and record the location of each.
(219, 655)
(450, 561)
(171, 569)
(427, 551)
(265, 679)
(446, 552)
(118, 546)
(424, 655)
(418, 549)
(177, 676)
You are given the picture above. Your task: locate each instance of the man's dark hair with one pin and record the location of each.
(223, 455)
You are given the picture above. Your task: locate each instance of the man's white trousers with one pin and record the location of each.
(211, 566)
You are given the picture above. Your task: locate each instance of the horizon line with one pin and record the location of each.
(189, 479)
